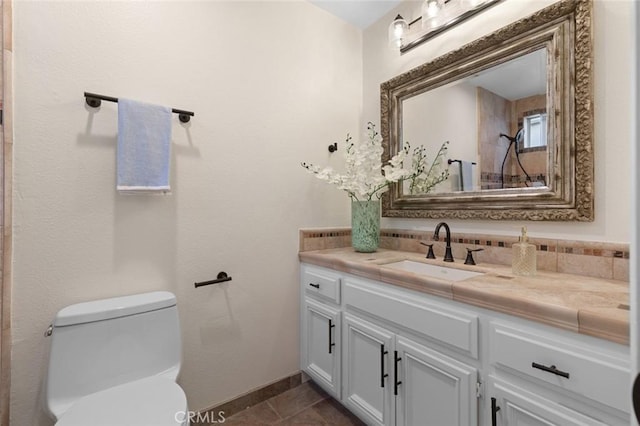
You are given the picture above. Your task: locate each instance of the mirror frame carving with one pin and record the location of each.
(564, 29)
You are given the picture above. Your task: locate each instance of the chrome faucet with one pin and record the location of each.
(448, 257)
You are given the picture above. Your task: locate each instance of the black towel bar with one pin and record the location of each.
(222, 277)
(94, 100)
(459, 161)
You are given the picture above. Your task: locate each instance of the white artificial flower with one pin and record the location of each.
(366, 176)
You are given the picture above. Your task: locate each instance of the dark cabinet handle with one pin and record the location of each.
(635, 396)
(551, 369)
(382, 373)
(396, 382)
(331, 344)
(314, 285)
(494, 411)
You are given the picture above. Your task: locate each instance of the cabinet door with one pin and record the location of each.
(321, 341)
(515, 406)
(368, 371)
(434, 389)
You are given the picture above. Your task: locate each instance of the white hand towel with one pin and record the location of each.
(144, 147)
(466, 176)
(462, 177)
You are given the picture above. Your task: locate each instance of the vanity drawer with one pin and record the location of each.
(574, 366)
(456, 328)
(322, 283)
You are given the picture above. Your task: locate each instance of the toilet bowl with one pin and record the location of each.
(114, 362)
(148, 402)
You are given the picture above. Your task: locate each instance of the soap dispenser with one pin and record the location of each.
(524, 256)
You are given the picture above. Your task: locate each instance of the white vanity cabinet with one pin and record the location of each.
(368, 378)
(399, 357)
(555, 378)
(514, 406)
(390, 374)
(392, 380)
(320, 325)
(434, 389)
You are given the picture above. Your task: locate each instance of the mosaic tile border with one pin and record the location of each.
(329, 233)
(320, 239)
(494, 180)
(586, 258)
(585, 248)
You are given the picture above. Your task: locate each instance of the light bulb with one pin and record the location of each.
(397, 31)
(431, 10)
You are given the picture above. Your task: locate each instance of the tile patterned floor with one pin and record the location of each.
(303, 405)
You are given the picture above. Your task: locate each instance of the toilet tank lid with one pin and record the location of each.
(115, 307)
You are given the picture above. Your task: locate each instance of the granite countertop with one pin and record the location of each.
(592, 306)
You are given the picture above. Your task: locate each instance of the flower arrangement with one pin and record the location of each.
(422, 179)
(366, 177)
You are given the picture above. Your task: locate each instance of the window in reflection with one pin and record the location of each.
(535, 131)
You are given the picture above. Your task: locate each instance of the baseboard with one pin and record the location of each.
(253, 397)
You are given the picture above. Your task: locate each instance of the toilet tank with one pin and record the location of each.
(104, 343)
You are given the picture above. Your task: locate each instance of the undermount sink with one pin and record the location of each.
(435, 271)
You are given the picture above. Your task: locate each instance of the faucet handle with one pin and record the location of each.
(469, 260)
(430, 254)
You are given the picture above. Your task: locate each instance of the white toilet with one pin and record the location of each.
(114, 362)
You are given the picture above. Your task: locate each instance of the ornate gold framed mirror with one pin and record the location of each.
(516, 107)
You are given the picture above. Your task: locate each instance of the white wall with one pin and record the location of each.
(271, 85)
(612, 80)
(428, 120)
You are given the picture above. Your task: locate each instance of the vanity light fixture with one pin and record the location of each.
(397, 32)
(432, 13)
(437, 16)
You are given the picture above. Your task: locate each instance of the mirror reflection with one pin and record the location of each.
(495, 121)
(516, 107)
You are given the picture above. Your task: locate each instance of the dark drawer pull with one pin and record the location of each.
(314, 285)
(382, 373)
(396, 382)
(551, 369)
(494, 412)
(331, 344)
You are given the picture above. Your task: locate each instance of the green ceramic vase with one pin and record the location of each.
(365, 225)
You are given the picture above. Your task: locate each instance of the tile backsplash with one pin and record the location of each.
(595, 259)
